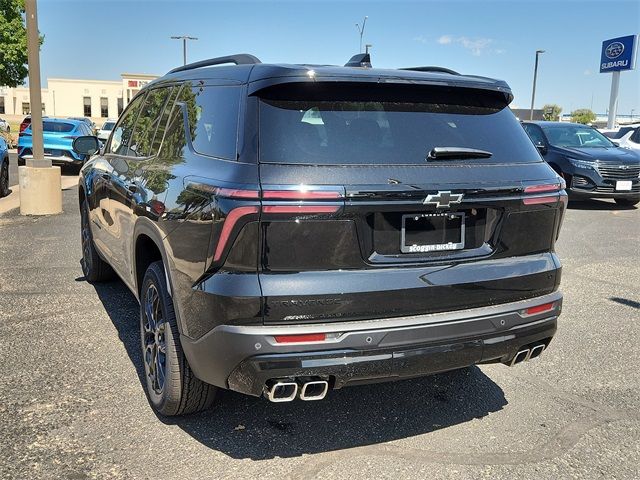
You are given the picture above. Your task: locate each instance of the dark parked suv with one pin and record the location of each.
(292, 229)
(591, 165)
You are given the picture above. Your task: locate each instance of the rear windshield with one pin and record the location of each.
(575, 136)
(392, 131)
(108, 125)
(57, 127)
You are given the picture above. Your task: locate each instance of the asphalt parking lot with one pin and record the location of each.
(72, 404)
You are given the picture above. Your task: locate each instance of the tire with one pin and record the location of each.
(628, 202)
(171, 386)
(94, 268)
(4, 179)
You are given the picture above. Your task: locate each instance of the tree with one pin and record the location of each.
(551, 112)
(583, 115)
(13, 43)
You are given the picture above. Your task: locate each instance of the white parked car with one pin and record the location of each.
(105, 130)
(4, 126)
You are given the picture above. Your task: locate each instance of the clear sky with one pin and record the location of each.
(100, 39)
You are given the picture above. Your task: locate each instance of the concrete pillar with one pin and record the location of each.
(40, 190)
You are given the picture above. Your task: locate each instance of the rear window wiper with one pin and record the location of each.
(456, 153)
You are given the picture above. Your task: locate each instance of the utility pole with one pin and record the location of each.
(535, 77)
(361, 30)
(40, 183)
(184, 39)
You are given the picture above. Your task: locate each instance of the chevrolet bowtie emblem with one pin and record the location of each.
(443, 199)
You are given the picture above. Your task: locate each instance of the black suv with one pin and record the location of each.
(591, 165)
(291, 229)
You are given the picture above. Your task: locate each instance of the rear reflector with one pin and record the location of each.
(542, 188)
(311, 337)
(300, 209)
(302, 194)
(540, 200)
(229, 223)
(539, 308)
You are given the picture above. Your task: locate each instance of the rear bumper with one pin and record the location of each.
(243, 358)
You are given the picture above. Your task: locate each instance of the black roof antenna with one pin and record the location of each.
(360, 60)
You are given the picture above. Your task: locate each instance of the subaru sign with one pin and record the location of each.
(618, 54)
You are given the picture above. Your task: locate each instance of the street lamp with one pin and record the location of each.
(535, 77)
(184, 39)
(361, 30)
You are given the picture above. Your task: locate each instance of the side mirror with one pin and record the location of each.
(86, 145)
(542, 149)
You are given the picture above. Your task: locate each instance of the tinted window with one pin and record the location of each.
(392, 127)
(535, 133)
(636, 136)
(213, 119)
(108, 126)
(121, 136)
(148, 121)
(57, 127)
(175, 139)
(575, 136)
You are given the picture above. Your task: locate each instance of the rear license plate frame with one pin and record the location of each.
(432, 247)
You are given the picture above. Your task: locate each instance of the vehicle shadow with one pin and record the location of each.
(246, 427)
(597, 204)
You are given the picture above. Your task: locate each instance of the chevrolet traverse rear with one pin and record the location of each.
(293, 229)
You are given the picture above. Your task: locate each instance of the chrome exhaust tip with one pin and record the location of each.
(521, 356)
(537, 351)
(314, 390)
(281, 391)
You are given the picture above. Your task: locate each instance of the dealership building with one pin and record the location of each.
(66, 97)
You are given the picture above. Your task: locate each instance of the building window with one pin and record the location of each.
(2, 105)
(120, 106)
(104, 107)
(26, 108)
(87, 106)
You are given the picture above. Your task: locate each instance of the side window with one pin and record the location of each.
(635, 138)
(175, 138)
(213, 119)
(148, 121)
(535, 134)
(121, 137)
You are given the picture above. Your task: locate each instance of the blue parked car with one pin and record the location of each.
(4, 168)
(590, 163)
(58, 142)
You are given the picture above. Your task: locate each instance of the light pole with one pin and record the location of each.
(535, 77)
(40, 183)
(361, 30)
(184, 39)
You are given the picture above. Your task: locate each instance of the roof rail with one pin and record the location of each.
(432, 69)
(238, 59)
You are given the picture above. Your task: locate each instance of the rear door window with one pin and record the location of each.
(394, 126)
(213, 118)
(148, 121)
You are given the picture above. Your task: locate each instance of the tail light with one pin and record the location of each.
(542, 188)
(300, 200)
